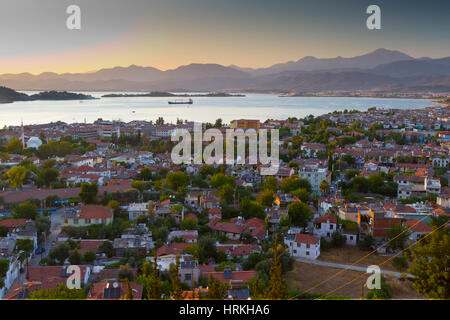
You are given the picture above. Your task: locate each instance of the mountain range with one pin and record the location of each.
(380, 70)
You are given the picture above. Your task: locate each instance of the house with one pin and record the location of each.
(58, 274)
(325, 226)
(237, 226)
(303, 245)
(114, 290)
(382, 226)
(315, 176)
(88, 215)
(229, 276)
(215, 214)
(208, 201)
(418, 229)
(136, 209)
(138, 244)
(189, 236)
(349, 212)
(189, 272)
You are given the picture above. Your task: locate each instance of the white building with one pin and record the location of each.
(34, 143)
(325, 226)
(315, 176)
(303, 245)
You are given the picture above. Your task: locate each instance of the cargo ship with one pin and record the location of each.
(189, 101)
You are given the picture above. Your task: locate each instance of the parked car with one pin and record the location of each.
(39, 250)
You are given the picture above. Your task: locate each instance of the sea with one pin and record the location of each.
(204, 109)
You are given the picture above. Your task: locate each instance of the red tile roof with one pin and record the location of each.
(165, 250)
(417, 226)
(306, 238)
(97, 290)
(236, 275)
(13, 223)
(324, 219)
(50, 273)
(95, 212)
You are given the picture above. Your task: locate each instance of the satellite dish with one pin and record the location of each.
(115, 284)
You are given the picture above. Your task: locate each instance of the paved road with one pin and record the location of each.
(344, 266)
(55, 229)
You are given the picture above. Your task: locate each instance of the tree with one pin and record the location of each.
(270, 183)
(154, 287)
(16, 176)
(129, 294)
(25, 245)
(60, 252)
(398, 236)
(219, 179)
(14, 146)
(208, 245)
(47, 176)
(226, 193)
(88, 193)
(89, 256)
(302, 194)
(42, 224)
(299, 214)
(75, 257)
(141, 186)
(218, 123)
(366, 242)
(276, 289)
(266, 198)
(26, 210)
(324, 186)
(400, 263)
(61, 292)
(3, 231)
(337, 239)
(251, 209)
(125, 272)
(107, 248)
(431, 264)
(177, 180)
(216, 289)
(188, 224)
(382, 293)
(293, 183)
(177, 292)
(145, 174)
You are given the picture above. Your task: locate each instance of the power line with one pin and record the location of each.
(360, 259)
(387, 260)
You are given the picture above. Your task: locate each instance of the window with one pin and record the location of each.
(295, 251)
(331, 227)
(87, 221)
(307, 246)
(351, 237)
(104, 221)
(307, 253)
(75, 221)
(187, 276)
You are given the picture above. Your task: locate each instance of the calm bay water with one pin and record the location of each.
(253, 106)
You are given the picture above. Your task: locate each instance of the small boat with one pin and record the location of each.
(189, 101)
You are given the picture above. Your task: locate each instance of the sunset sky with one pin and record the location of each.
(250, 33)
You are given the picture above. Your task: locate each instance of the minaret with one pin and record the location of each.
(23, 136)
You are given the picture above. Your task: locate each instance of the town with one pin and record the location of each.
(353, 189)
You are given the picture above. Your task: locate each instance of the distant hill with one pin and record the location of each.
(411, 68)
(381, 69)
(366, 61)
(8, 95)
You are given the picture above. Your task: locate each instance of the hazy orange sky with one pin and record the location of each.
(251, 33)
